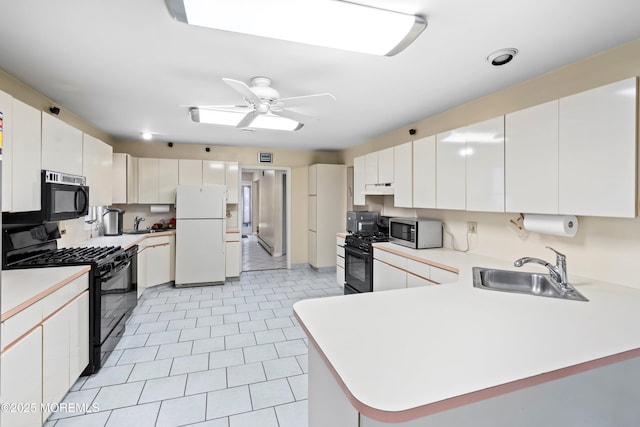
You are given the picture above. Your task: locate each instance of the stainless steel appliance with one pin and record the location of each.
(358, 261)
(112, 280)
(362, 221)
(63, 196)
(416, 233)
(112, 221)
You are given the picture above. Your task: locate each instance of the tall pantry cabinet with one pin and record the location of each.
(327, 212)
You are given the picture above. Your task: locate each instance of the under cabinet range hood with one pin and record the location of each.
(379, 189)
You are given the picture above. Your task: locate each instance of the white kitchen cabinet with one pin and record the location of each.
(189, 172)
(531, 159)
(327, 210)
(6, 108)
(125, 179)
(387, 277)
(232, 181)
(359, 181)
(97, 162)
(424, 173)
(78, 337)
(403, 175)
(154, 261)
(598, 151)
(485, 165)
(450, 171)
(340, 272)
(61, 146)
(313, 180)
(414, 281)
(233, 251)
(21, 373)
(385, 165)
(26, 160)
(55, 357)
(371, 168)
(157, 180)
(213, 172)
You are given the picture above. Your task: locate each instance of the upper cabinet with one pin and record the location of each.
(313, 180)
(403, 175)
(61, 146)
(598, 151)
(189, 172)
(125, 179)
(379, 167)
(224, 173)
(450, 173)
(531, 159)
(26, 151)
(424, 173)
(97, 162)
(485, 165)
(232, 179)
(213, 172)
(359, 165)
(6, 108)
(157, 180)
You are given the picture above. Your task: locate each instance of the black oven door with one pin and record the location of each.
(64, 201)
(358, 270)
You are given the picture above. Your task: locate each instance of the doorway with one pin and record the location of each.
(265, 212)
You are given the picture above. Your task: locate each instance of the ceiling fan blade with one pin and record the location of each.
(232, 108)
(302, 101)
(247, 120)
(298, 117)
(243, 90)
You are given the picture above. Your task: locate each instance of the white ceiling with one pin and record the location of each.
(126, 67)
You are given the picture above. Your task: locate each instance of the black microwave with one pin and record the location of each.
(63, 196)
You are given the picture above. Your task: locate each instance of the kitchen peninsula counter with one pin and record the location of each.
(417, 352)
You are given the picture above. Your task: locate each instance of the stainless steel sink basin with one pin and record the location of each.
(523, 283)
(136, 231)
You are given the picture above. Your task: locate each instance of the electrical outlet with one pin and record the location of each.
(472, 227)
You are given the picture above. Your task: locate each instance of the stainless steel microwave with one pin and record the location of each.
(63, 196)
(416, 233)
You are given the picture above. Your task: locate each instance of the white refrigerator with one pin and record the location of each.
(200, 235)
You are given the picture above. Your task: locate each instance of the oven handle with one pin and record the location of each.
(357, 252)
(115, 272)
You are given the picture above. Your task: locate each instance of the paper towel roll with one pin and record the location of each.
(159, 208)
(558, 225)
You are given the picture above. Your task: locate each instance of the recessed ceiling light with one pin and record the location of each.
(502, 56)
(147, 136)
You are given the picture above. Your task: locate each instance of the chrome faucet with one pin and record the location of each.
(558, 272)
(136, 222)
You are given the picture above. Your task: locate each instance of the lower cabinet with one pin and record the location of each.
(232, 257)
(387, 277)
(155, 262)
(392, 271)
(21, 372)
(340, 279)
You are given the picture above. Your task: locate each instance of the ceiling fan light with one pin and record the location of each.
(334, 24)
(232, 118)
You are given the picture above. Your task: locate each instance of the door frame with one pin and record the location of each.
(287, 170)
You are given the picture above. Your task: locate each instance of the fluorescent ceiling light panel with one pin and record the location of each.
(232, 118)
(329, 23)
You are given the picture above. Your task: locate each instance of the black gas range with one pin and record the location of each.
(112, 280)
(358, 260)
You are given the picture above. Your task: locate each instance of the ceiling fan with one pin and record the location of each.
(263, 100)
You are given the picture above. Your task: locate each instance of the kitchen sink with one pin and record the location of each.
(523, 283)
(137, 231)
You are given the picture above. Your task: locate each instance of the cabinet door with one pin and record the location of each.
(414, 281)
(313, 213)
(424, 173)
(386, 277)
(167, 180)
(142, 270)
(450, 172)
(26, 157)
(313, 180)
(531, 160)
(598, 151)
(189, 172)
(158, 265)
(485, 166)
(55, 356)
(232, 259)
(313, 248)
(6, 107)
(119, 178)
(359, 181)
(213, 172)
(132, 179)
(97, 163)
(61, 146)
(21, 373)
(385, 166)
(403, 175)
(148, 180)
(232, 181)
(371, 168)
(78, 336)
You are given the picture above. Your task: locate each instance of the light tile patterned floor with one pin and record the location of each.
(255, 257)
(218, 356)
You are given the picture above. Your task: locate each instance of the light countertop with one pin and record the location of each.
(125, 240)
(423, 350)
(21, 288)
